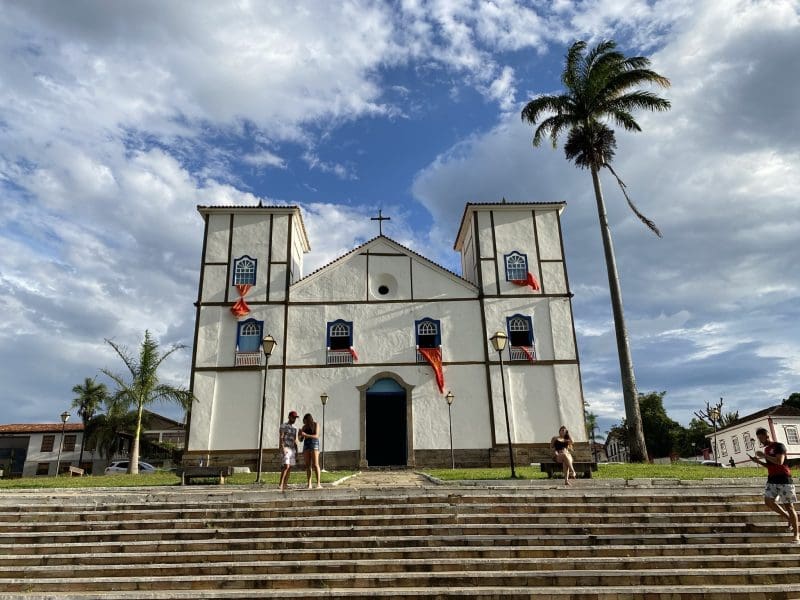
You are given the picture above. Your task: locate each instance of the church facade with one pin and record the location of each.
(385, 333)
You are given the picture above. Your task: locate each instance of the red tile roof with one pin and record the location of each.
(40, 428)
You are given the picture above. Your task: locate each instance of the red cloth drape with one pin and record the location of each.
(240, 308)
(434, 358)
(528, 353)
(353, 353)
(529, 280)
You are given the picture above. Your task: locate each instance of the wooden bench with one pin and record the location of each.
(207, 472)
(75, 471)
(581, 454)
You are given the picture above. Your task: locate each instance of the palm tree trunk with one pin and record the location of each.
(633, 418)
(133, 465)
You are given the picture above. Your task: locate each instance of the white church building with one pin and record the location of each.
(386, 333)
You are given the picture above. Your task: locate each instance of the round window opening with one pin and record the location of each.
(383, 290)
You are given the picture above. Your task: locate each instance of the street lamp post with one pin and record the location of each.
(450, 397)
(267, 345)
(64, 419)
(499, 341)
(713, 414)
(324, 399)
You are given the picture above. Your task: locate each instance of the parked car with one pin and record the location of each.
(121, 466)
(712, 463)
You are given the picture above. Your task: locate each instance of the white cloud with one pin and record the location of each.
(264, 158)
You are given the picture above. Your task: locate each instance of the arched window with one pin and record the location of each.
(520, 338)
(429, 333)
(340, 335)
(516, 266)
(248, 335)
(244, 270)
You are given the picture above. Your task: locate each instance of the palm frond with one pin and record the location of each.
(650, 225)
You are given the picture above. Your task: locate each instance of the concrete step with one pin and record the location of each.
(666, 592)
(515, 578)
(427, 564)
(113, 555)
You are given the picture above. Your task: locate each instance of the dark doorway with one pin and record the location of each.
(386, 427)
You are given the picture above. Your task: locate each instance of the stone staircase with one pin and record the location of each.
(533, 540)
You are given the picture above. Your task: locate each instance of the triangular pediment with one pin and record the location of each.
(381, 270)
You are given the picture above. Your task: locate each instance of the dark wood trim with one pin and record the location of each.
(338, 303)
(213, 264)
(382, 253)
(268, 285)
(411, 276)
(228, 280)
(455, 363)
(494, 251)
(550, 260)
(482, 301)
(538, 253)
(287, 283)
(279, 262)
(196, 327)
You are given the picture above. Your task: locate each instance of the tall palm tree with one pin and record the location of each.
(90, 397)
(600, 87)
(144, 388)
(104, 429)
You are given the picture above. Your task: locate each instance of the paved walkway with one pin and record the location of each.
(386, 479)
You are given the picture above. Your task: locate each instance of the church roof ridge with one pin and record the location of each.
(385, 237)
(560, 204)
(210, 208)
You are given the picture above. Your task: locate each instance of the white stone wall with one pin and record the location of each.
(36, 456)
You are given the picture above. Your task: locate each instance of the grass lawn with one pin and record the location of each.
(616, 471)
(161, 478)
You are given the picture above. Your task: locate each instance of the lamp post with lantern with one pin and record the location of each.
(324, 399)
(499, 341)
(267, 345)
(64, 419)
(450, 397)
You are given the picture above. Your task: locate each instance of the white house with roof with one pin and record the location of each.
(737, 441)
(386, 333)
(33, 448)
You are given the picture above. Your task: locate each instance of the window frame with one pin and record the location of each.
(508, 269)
(749, 442)
(437, 337)
(723, 449)
(793, 429)
(529, 321)
(70, 440)
(336, 324)
(736, 447)
(240, 326)
(236, 262)
(48, 437)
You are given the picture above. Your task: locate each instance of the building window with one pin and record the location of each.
(43, 468)
(520, 338)
(48, 441)
(736, 448)
(748, 441)
(339, 342)
(723, 450)
(791, 435)
(516, 266)
(244, 270)
(69, 443)
(429, 335)
(248, 343)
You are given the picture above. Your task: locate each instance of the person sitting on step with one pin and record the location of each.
(561, 445)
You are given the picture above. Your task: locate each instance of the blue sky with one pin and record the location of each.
(117, 119)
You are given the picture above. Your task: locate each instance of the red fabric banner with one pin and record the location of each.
(353, 353)
(434, 358)
(530, 280)
(528, 353)
(240, 308)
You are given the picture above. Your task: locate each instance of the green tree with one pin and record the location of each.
(144, 388)
(104, 431)
(793, 400)
(728, 419)
(601, 86)
(663, 435)
(591, 429)
(693, 439)
(90, 396)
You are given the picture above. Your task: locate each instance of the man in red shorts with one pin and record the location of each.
(779, 480)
